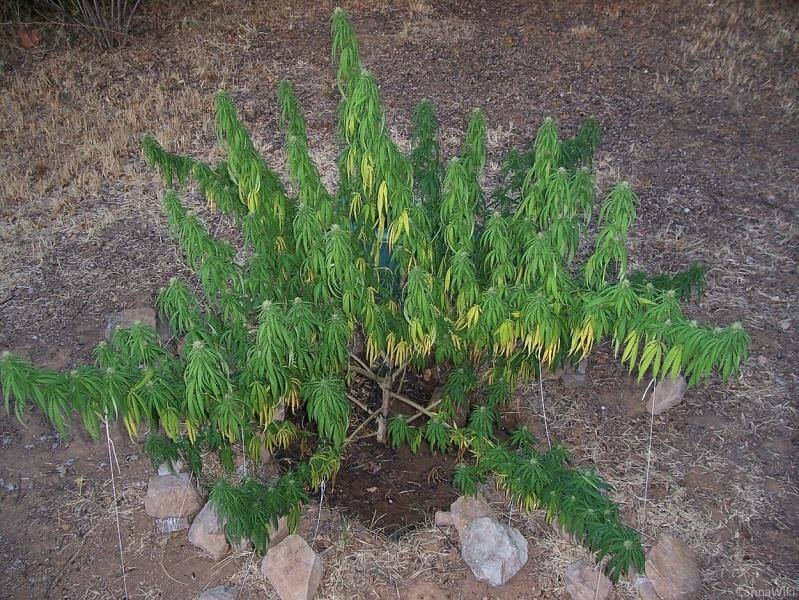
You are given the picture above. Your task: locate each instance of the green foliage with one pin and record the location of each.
(411, 256)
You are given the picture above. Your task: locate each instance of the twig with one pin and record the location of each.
(430, 407)
(361, 426)
(384, 407)
(358, 403)
(410, 402)
(357, 359)
(367, 374)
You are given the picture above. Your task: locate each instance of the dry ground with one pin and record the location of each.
(698, 104)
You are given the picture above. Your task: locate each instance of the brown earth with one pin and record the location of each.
(698, 106)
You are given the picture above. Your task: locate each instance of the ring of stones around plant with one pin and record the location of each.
(258, 350)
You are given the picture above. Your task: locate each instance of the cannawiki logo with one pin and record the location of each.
(780, 591)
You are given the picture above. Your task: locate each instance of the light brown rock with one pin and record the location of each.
(443, 518)
(671, 567)
(293, 569)
(172, 496)
(128, 317)
(466, 509)
(584, 582)
(207, 532)
(667, 394)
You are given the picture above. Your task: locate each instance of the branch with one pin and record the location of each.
(361, 426)
(367, 374)
(358, 403)
(413, 404)
(357, 359)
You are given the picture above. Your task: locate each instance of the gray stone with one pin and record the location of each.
(293, 569)
(443, 518)
(466, 509)
(574, 376)
(207, 532)
(584, 582)
(171, 524)
(128, 317)
(672, 569)
(172, 496)
(667, 394)
(171, 467)
(494, 551)
(221, 592)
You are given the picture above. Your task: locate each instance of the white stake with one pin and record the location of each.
(648, 452)
(543, 408)
(111, 458)
(319, 512)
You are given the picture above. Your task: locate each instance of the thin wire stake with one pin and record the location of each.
(319, 512)
(111, 457)
(598, 579)
(648, 452)
(244, 451)
(543, 408)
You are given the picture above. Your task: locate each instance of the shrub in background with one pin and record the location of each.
(107, 21)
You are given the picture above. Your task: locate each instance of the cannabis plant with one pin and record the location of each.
(408, 265)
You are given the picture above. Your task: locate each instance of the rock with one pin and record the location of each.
(207, 532)
(667, 394)
(563, 534)
(584, 582)
(277, 535)
(293, 569)
(170, 468)
(171, 524)
(632, 392)
(242, 545)
(443, 518)
(465, 510)
(172, 496)
(221, 592)
(643, 586)
(672, 569)
(574, 376)
(128, 317)
(494, 552)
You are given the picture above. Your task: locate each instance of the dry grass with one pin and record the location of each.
(747, 48)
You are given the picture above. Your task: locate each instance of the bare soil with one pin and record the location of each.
(698, 107)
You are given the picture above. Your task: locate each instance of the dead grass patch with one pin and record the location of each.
(747, 48)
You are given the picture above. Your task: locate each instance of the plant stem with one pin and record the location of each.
(357, 359)
(358, 403)
(411, 403)
(368, 420)
(381, 421)
(367, 374)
